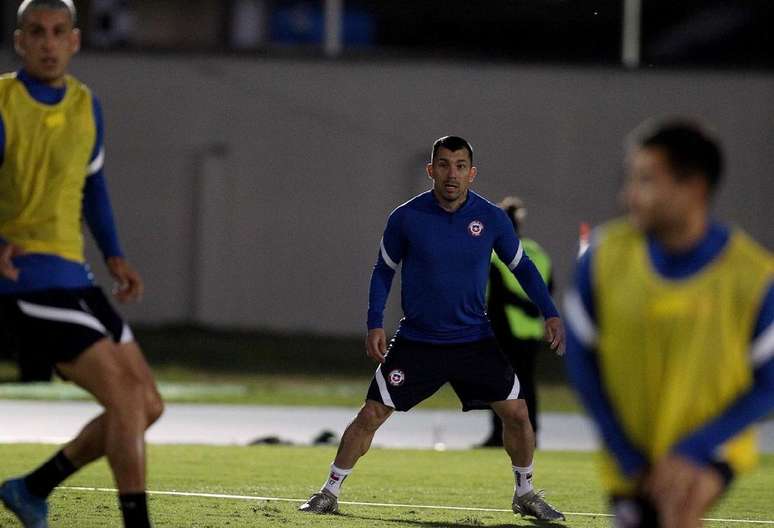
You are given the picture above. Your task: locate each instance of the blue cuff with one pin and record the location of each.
(756, 404)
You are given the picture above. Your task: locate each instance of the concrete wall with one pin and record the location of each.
(253, 192)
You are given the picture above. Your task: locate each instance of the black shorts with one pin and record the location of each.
(414, 371)
(56, 326)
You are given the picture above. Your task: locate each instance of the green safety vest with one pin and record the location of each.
(522, 325)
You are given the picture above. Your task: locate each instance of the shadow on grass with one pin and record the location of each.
(457, 524)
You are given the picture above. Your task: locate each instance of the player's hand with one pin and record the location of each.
(376, 344)
(682, 491)
(555, 334)
(7, 253)
(129, 286)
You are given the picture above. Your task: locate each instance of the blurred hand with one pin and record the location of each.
(682, 491)
(555, 334)
(7, 253)
(129, 286)
(376, 344)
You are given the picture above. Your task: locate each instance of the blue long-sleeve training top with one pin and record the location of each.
(51, 271)
(444, 259)
(583, 366)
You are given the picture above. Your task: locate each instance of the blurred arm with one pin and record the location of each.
(97, 209)
(583, 370)
(753, 405)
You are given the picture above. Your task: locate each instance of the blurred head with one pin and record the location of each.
(451, 169)
(516, 211)
(674, 167)
(46, 38)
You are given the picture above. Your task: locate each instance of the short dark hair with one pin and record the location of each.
(26, 5)
(689, 146)
(453, 143)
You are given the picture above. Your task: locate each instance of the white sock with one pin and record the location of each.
(523, 479)
(335, 479)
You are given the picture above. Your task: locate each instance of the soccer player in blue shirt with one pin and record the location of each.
(671, 335)
(443, 241)
(51, 177)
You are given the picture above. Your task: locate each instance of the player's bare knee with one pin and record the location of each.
(127, 390)
(516, 414)
(373, 415)
(154, 406)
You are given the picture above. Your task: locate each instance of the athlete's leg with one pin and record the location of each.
(89, 445)
(120, 435)
(518, 437)
(357, 438)
(354, 444)
(408, 376)
(523, 359)
(519, 442)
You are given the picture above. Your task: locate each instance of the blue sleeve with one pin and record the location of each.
(509, 249)
(582, 365)
(755, 404)
(390, 254)
(97, 210)
(529, 277)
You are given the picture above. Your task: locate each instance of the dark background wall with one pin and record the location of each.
(253, 192)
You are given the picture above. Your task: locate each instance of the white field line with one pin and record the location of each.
(379, 504)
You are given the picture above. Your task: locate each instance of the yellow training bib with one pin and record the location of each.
(47, 152)
(674, 354)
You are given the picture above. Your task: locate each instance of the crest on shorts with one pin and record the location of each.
(396, 377)
(475, 228)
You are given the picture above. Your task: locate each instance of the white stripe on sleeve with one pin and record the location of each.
(391, 263)
(97, 163)
(517, 258)
(763, 347)
(579, 319)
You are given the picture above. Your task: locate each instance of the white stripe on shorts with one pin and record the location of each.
(64, 315)
(382, 384)
(514, 395)
(126, 335)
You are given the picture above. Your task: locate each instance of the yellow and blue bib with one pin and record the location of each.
(674, 353)
(47, 150)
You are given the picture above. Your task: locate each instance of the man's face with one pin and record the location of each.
(46, 42)
(656, 200)
(452, 174)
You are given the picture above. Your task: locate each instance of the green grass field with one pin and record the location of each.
(197, 385)
(412, 479)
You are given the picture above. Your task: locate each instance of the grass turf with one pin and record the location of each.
(194, 385)
(478, 478)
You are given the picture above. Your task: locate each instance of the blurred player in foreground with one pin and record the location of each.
(671, 334)
(51, 158)
(443, 240)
